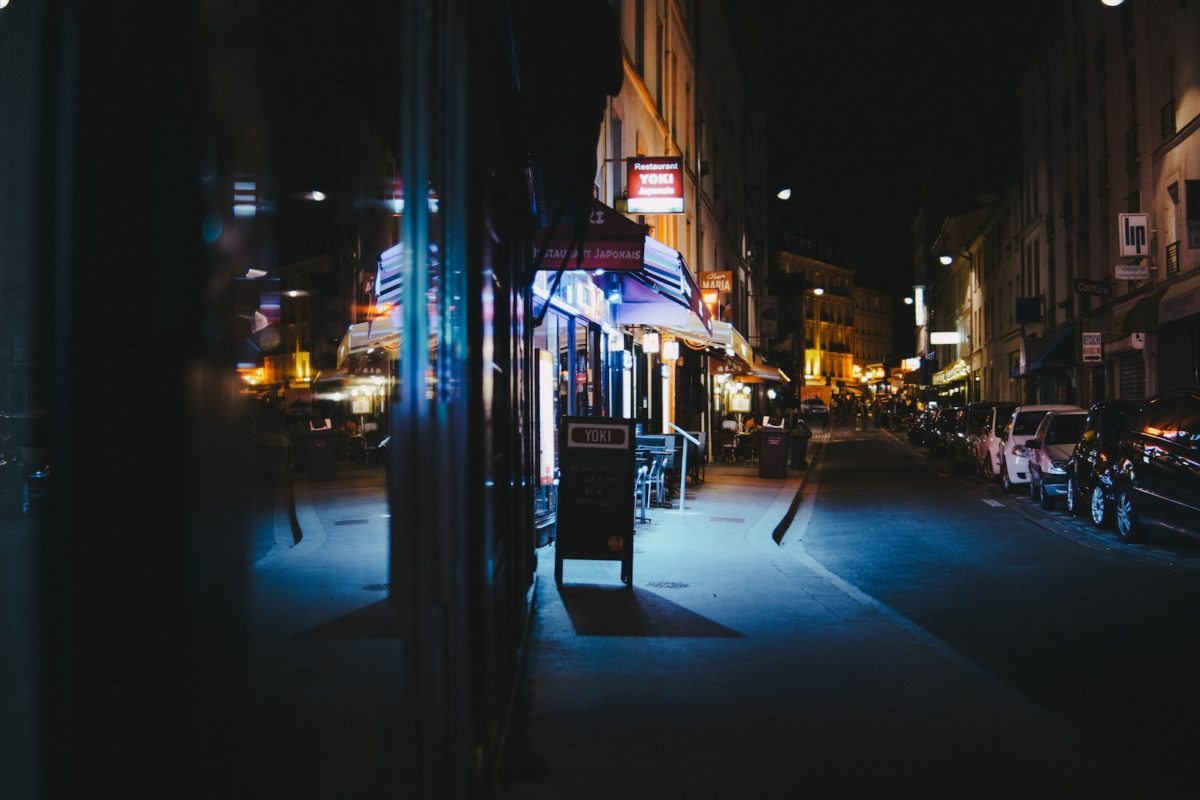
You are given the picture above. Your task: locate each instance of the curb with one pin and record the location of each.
(789, 516)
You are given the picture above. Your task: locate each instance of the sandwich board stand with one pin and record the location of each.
(595, 493)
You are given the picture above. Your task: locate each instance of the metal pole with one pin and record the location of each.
(683, 470)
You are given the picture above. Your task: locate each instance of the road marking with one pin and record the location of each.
(992, 502)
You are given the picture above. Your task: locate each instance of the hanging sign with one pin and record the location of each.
(1134, 233)
(1093, 348)
(595, 492)
(654, 185)
(1097, 288)
(1132, 272)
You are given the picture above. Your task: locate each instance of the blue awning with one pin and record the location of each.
(1046, 352)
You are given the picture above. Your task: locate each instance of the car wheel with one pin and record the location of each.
(1073, 506)
(1129, 529)
(1101, 509)
(1045, 500)
(1005, 482)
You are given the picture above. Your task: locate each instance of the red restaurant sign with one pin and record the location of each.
(655, 185)
(614, 243)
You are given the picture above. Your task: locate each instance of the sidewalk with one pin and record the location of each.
(738, 667)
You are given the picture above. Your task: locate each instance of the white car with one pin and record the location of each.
(1022, 426)
(1049, 453)
(990, 442)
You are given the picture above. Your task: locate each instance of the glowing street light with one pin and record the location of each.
(784, 194)
(908, 301)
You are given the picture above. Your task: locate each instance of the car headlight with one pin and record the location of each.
(1058, 468)
(1021, 451)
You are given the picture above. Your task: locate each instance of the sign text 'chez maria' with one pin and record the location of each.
(654, 184)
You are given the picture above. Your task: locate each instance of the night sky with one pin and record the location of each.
(864, 95)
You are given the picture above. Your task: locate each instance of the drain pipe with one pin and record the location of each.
(683, 472)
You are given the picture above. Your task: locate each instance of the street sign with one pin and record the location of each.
(1093, 348)
(1134, 234)
(1132, 272)
(1097, 288)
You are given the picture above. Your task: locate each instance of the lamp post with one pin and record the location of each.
(818, 360)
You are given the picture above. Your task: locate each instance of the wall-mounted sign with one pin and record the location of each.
(1093, 348)
(1097, 288)
(1132, 272)
(655, 185)
(945, 337)
(1133, 231)
(721, 281)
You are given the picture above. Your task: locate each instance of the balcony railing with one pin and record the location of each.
(1172, 259)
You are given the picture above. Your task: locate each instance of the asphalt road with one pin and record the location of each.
(1101, 634)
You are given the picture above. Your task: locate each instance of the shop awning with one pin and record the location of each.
(664, 293)
(1138, 314)
(769, 373)
(1181, 300)
(613, 243)
(364, 336)
(1042, 352)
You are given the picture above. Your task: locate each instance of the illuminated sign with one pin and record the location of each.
(913, 363)
(655, 185)
(1133, 231)
(919, 304)
(945, 337)
(720, 281)
(613, 243)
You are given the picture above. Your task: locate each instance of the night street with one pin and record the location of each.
(923, 632)
(529, 400)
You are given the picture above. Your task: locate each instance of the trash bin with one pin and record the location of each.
(322, 448)
(772, 453)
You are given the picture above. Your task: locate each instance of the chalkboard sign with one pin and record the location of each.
(595, 492)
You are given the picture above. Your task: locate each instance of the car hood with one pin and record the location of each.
(1059, 452)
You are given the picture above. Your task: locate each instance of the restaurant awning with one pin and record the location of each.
(613, 243)
(364, 336)
(768, 373)
(664, 293)
(1181, 300)
(1138, 314)
(1042, 352)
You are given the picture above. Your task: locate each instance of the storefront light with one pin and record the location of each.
(745, 390)
(650, 342)
(772, 394)
(670, 350)
(665, 370)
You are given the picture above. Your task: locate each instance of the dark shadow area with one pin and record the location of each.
(380, 620)
(617, 611)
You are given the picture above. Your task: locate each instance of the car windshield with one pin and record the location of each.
(979, 417)
(1066, 429)
(1026, 423)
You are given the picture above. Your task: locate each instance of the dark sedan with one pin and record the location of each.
(1157, 478)
(1089, 471)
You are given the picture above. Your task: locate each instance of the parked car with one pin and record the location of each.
(1022, 426)
(1090, 470)
(1157, 476)
(970, 425)
(990, 442)
(1049, 452)
(918, 429)
(944, 430)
